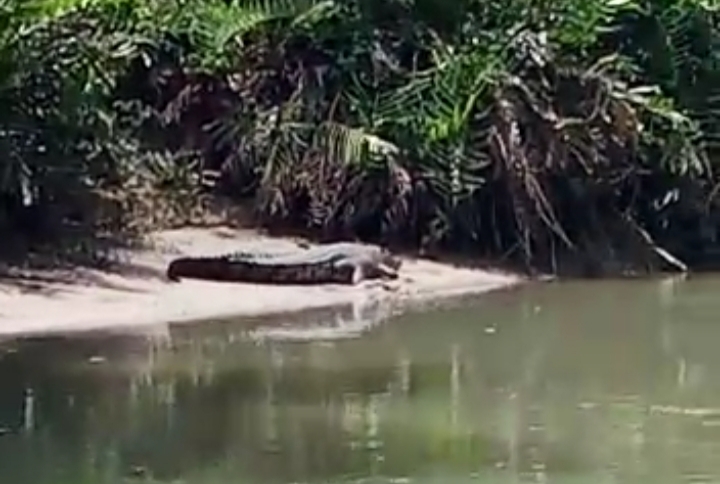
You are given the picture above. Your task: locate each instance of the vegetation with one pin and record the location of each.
(562, 135)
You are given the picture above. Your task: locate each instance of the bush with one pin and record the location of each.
(75, 167)
(573, 134)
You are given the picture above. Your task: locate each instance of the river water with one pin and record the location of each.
(599, 382)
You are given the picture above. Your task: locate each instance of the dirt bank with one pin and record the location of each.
(137, 293)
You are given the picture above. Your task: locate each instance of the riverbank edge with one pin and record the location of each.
(136, 293)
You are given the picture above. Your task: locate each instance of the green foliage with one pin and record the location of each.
(69, 145)
(471, 124)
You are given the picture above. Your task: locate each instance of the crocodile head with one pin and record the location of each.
(388, 259)
(388, 264)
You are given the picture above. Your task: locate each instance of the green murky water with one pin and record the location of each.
(561, 383)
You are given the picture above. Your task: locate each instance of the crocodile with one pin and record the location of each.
(340, 263)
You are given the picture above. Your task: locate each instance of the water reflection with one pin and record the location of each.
(597, 382)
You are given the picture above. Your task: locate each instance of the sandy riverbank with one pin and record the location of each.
(137, 294)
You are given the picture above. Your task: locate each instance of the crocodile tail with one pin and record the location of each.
(213, 268)
(172, 272)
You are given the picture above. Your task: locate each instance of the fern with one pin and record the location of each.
(216, 27)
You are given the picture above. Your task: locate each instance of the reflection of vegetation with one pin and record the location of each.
(561, 390)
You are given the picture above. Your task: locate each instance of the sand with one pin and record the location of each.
(137, 293)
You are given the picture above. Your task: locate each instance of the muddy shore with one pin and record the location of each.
(137, 293)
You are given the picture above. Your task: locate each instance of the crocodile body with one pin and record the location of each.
(339, 263)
